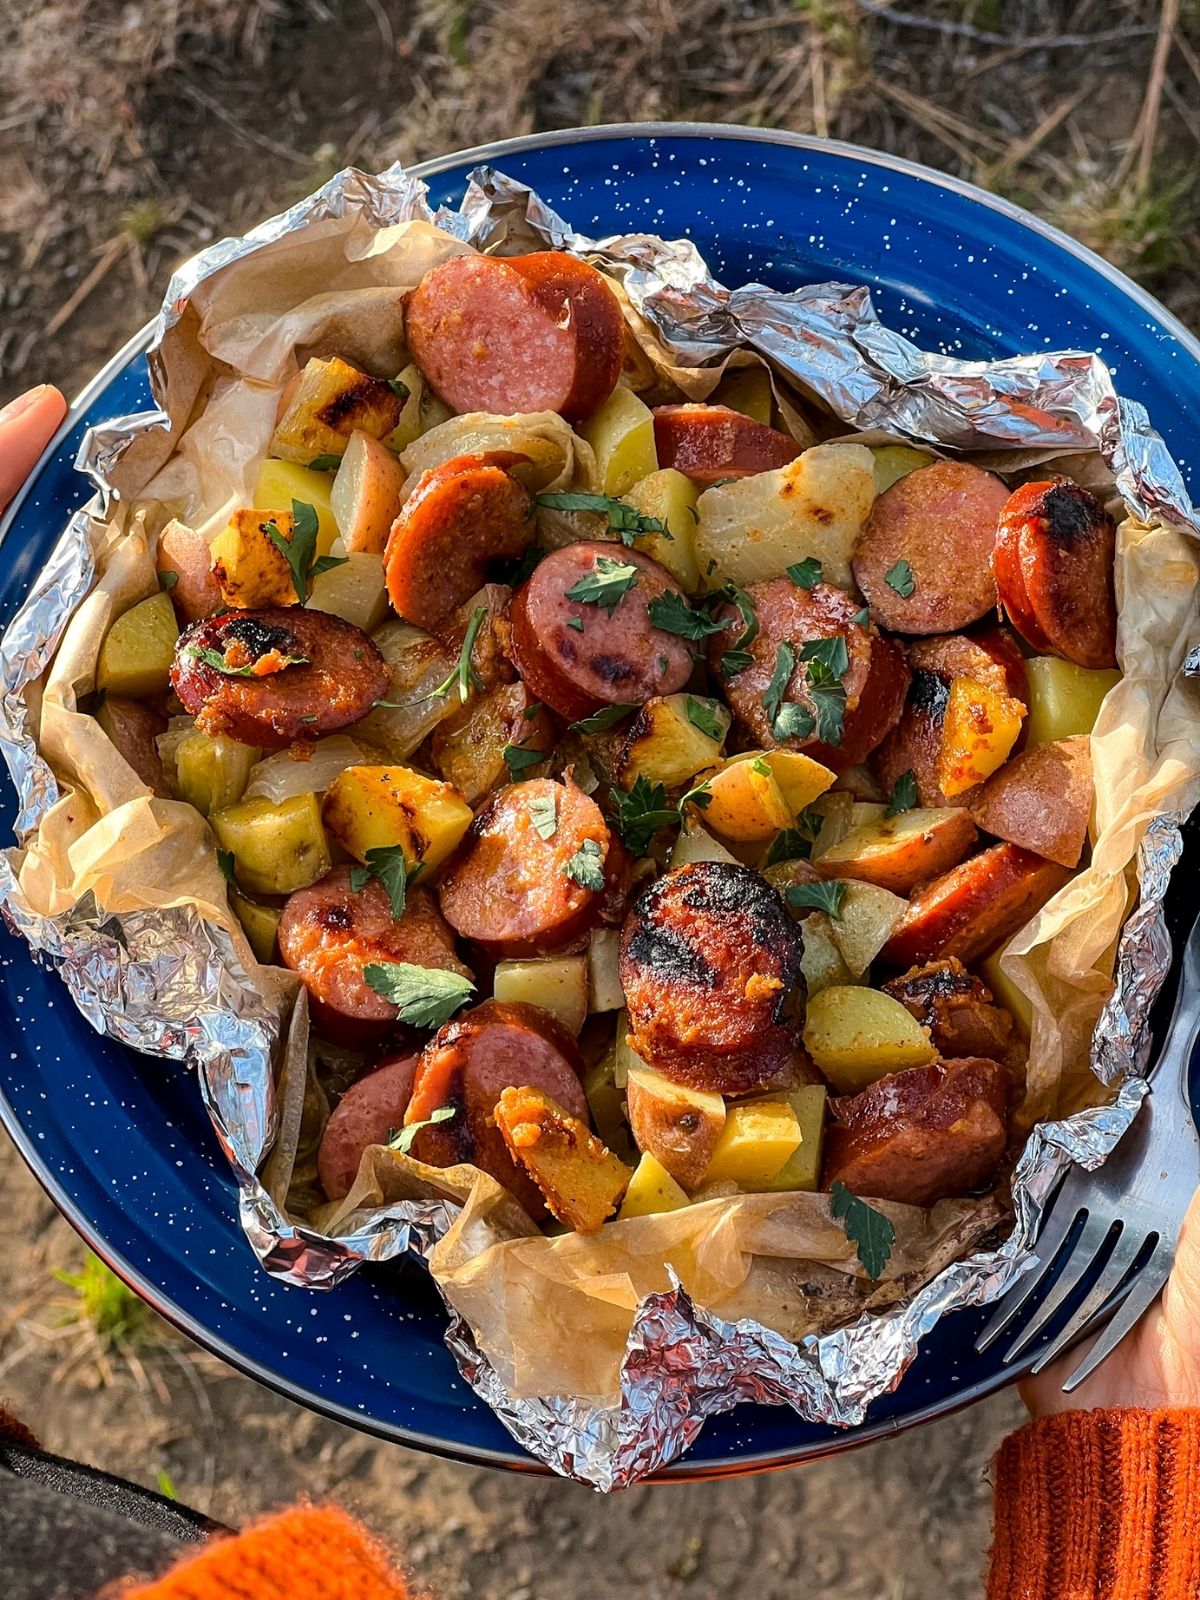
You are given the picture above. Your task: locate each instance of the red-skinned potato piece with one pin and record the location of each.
(1041, 800)
(923, 1135)
(194, 592)
(975, 907)
(134, 727)
(460, 516)
(941, 520)
(708, 443)
(369, 1112)
(898, 853)
(1053, 559)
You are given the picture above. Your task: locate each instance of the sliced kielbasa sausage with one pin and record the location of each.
(1054, 557)
(329, 932)
(277, 676)
(517, 336)
(924, 557)
(956, 1007)
(708, 443)
(873, 683)
(533, 871)
(582, 636)
(708, 960)
(460, 516)
(369, 1112)
(468, 1065)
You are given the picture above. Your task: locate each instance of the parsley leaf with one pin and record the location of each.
(700, 796)
(399, 388)
(828, 659)
(324, 463)
(225, 860)
(300, 551)
(424, 996)
(825, 896)
(214, 659)
(464, 673)
(805, 573)
(402, 1138)
(904, 794)
(387, 863)
(735, 661)
(866, 1228)
(586, 865)
(794, 722)
(794, 844)
(863, 618)
(167, 579)
(785, 665)
(671, 613)
(900, 578)
(606, 586)
(642, 812)
(576, 623)
(703, 714)
(607, 717)
(544, 814)
(624, 519)
(762, 766)
(746, 610)
(518, 758)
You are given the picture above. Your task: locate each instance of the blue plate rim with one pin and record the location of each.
(132, 1276)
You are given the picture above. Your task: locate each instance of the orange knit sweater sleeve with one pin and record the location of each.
(1099, 1505)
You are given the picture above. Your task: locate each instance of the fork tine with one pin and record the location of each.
(1125, 1252)
(1050, 1242)
(1087, 1248)
(1141, 1295)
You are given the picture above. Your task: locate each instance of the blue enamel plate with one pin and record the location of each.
(122, 1142)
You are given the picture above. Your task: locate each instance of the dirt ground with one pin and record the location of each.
(132, 132)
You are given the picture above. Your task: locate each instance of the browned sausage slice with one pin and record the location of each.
(492, 337)
(709, 957)
(1053, 559)
(1041, 799)
(941, 520)
(975, 907)
(517, 892)
(579, 654)
(232, 675)
(329, 932)
(923, 1135)
(874, 683)
(956, 1007)
(460, 516)
(468, 1065)
(708, 443)
(368, 1113)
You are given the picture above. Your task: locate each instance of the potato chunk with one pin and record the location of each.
(652, 1190)
(249, 566)
(802, 1169)
(367, 493)
(856, 1035)
(276, 849)
(137, 652)
(1064, 699)
(896, 461)
(355, 591)
(669, 498)
(864, 923)
(756, 795)
(603, 964)
(897, 853)
(748, 390)
(756, 1141)
(212, 770)
(280, 482)
(694, 843)
(621, 433)
(367, 808)
(558, 984)
(260, 924)
(581, 1182)
(669, 740)
(821, 958)
(330, 401)
(980, 728)
(677, 1125)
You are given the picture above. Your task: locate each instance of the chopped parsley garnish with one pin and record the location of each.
(214, 659)
(623, 519)
(826, 662)
(828, 659)
(904, 794)
(671, 613)
(869, 1230)
(586, 866)
(225, 860)
(762, 766)
(699, 796)
(464, 673)
(606, 586)
(794, 844)
(387, 863)
(601, 721)
(825, 896)
(402, 1139)
(735, 661)
(399, 388)
(805, 574)
(785, 665)
(575, 623)
(642, 812)
(900, 578)
(518, 758)
(863, 618)
(543, 812)
(703, 714)
(167, 579)
(747, 613)
(325, 463)
(300, 551)
(425, 997)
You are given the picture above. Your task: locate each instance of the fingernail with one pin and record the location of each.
(23, 402)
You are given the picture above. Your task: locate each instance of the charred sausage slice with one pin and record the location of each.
(368, 1113)
(708, 443)
(232, 674)
(941, 520)
(956, 1007)
(329, 932)
(708, 960)
(460, 516)
(517, 893)
(579, 654)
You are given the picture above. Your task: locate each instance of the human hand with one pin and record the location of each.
(1156, 1365)
(27, 424)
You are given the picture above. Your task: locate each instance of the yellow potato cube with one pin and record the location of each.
(980, 728)
(747, 804)
(280, 482)
(756, 1141)
(694, 843)
(857, 1035)
(260, 924)
(748, 390)
(669, 741)
(621, 433)
(276, 847)
(801, 780)
(652, 1190)
(625, 1057)
(821, 959)
(802, 1169)
(249, 566)
(836, 811)
(355, 592)
(367, 808)
(557, 984)
(1005, 991)
(137, 652)
(669, 498)
(896, 461)
(1064, 699)
(212, 771)
(330, 400)
(864, 923)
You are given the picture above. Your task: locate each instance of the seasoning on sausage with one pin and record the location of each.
(708, 960)
(329, 932)
(461, 516)
(511, 338)
(369, 1112)
(582, 637)
(233, 675)
(708, 443)
(873, 684)
(468, 1065)
(924, 558)
(1041, 799)
(517, 890)
(956, 1007)
(922, 1135)
(1053, 558)
(975, 907)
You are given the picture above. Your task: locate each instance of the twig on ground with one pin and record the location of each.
(1024, 148)
(250, 135)
(965, 30)
(1140, 153)
(108, 257)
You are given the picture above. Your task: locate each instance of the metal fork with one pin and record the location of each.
(1123, 1218)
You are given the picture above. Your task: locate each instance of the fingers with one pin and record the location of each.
(27, 424)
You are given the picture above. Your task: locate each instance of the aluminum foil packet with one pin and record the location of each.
(170, 984)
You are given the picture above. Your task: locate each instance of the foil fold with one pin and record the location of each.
(168, 984)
